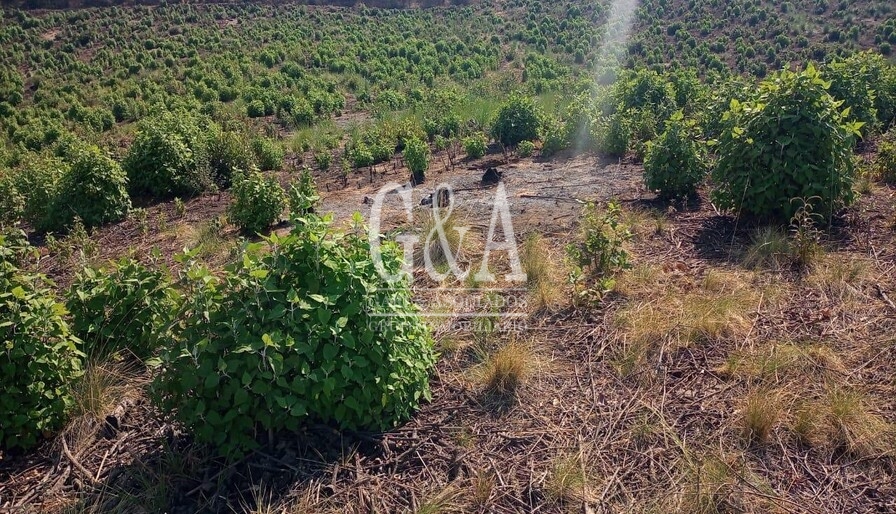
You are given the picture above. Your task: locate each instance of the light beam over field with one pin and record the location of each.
(613, 45)
(611, 50)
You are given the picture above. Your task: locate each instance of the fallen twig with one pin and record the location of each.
(557, 198)
(76, 464)
(883, 295)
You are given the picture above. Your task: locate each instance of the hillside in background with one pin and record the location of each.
(703, 200)
(77, 4)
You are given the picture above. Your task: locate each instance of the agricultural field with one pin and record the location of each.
(437, 257)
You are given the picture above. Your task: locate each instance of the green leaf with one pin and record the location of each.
(211, 381)
(329, 351)
(18, 292)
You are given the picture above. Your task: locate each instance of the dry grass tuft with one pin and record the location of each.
(762, 410)
(643, 223)
(463, 437)
(535, 260)
(507, 369)
(482, 487)
(843, 419)
(717, 483)
(709, 486)
(645, 430)
(769, 249)
(641, 281)
(864, 182)
(720, 308)
(567, 481)
(263, 502)
(631, 356)
(209, 237)
(775, 362)
(440, 502)
(431, 239)
(541, 272)
(103, 387)
(839, 279)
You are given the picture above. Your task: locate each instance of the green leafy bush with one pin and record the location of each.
(439, 117)
(40, 356)
(612, 134)
(258, 202)
(525, 149)
(168, 158)
(303, 197)
(255, 109)
(228, 152)
(94, 189)
(792, 141)
(38, 181)
(885, 162)
(416, 156)
(675, 162)
(12, 203)
(599, 254)
(323, 159)
(850, 82)
(884, 79)
(574, 127)
(126, 307)
(646, 90)
(295, 332)
(360, 155)
(556, 137)
(519, 119)
(475, 145)
(268, 153)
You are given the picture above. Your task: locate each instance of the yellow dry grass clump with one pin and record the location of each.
(761, 412)
(840, 279)
(567, 481)
(543, 274)
(843, 418)
(777, 361)
(507, 369)
(721, 306)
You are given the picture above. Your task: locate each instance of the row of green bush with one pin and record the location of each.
(301, 328)
(173, 155)
(791, 140)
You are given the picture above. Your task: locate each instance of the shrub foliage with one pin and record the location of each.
(518, 120)
(94, 189)
(290, 333)
(850, 81)
(228, 152)
(417, 155)
(599, 254)
(303, 196)
(675, 163)
(40, 355)
(475, 145)
(885, 162)
(124, 308)
(792, 141)
(258, 202)
(168, 158)
(12, 202)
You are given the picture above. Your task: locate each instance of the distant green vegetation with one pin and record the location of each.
(184, 95)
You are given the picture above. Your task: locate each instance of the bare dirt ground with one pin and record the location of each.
(638, 404)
